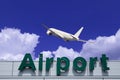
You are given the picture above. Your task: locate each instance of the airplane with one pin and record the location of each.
(64, 35)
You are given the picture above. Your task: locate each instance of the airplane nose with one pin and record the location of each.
(49, 32)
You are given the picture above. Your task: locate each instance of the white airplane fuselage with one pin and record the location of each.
(64, 35)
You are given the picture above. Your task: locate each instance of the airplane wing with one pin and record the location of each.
(45, 26)
(86, 41)
(82, 40)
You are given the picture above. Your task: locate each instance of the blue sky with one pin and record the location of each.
(99, 18)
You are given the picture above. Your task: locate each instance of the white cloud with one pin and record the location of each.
(65, 52)
(14, 44)
(61, 52)
(108, 45)
(102, 44)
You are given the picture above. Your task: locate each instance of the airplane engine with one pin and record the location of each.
(49, 32)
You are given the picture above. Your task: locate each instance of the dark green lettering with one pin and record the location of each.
(49, 61)
(82, 62)
(92, 63)
(40, 62)
(104, 62)
(27, 62)
(60, 66)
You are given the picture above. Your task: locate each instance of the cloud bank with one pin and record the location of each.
(14, 44)
(102, 44)
(61, 52)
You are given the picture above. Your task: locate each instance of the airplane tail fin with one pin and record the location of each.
(77, 34)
